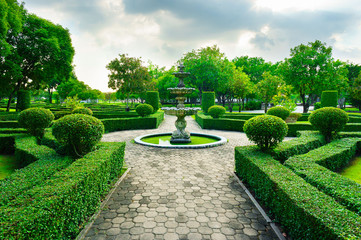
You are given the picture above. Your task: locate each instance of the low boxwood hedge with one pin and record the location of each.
(119, 124)
(104, 115)
(57, 207)
(9, 124)
(207, 122)
(7, 142)
(315, 168)
(302, 209)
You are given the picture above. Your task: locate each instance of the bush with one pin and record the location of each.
(266, 131)
(35, 120)
(144, 109)
(83, 110)
(23, 100)
(216, 111)
(279, 111)
(329, 99)
(253, 105)
(317, 106)
(208, 100)
(152, 98)
(78, 133)
(329, 121)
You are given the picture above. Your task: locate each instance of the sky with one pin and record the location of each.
(162, 31)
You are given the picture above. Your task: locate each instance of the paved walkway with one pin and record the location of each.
(179, 194)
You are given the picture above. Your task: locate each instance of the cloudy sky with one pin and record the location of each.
(163, 30)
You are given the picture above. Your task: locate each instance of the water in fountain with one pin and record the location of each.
(181, 135)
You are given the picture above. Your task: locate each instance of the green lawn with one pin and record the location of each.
(7, 165)
(353, 171)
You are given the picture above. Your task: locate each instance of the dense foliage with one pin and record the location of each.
(23, 100)
(329, 99)
(216, 111)
(208, 100)
(279, 111)
(35, 120)
(78, 133)
(266, 131)
(329, 121)
(83, 110)
(152, 98)
(144, 109)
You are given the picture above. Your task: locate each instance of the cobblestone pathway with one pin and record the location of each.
(179, 194)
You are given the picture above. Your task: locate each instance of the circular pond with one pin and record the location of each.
(198, 140)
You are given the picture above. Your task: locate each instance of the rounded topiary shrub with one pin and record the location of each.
(78, 133)
(216, 111)
(329, 99)
(82, 110)
(35, 120)
(329, 121)
(23, 101)
(144, 109)
(208, 100)
(152, 98)
(266, 131)
(279, 111)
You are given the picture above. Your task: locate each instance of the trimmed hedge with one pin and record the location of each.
(208, 100)
(329, 99)
(103, 115)
(9, 124)
(207, 122)
(55, 208)
(306, 141)
(216, 111)
(119, 124)
(302, 209)
(23, 101)
(152, 98)
(314, 168)
(7, 142)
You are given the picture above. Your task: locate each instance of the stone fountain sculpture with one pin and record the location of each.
(181, 135)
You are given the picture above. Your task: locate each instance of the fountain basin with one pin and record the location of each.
(199, 140)
(181, 111)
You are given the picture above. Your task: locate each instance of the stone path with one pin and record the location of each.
(179, 194)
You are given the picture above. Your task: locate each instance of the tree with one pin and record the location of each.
(310, 70)
(355, 92)
(127, 75)
(242, 87)
(268, 87)
(41, 52)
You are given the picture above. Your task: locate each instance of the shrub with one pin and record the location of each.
(152, 98)
(329, 121)
(79, 133)
(329, 99)
(208, 100)
(35, 120)
(253, 105)
(216, 111)
(279, 111)
(23, 100)
(83, 110)
(266, 131)
(144, 109)
(317, 106)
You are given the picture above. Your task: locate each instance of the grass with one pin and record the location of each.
(353, 171)
(7, 165)
(195, 140)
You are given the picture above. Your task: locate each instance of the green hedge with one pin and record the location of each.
(7, 142)
(306, 141)
(304, 211)
(23, 100)
(9, 124)
(207, 122)
(329, 99)
(12, 130)
(152, 98)
(314, 168)
(41, 161)
(104, 115)
(208, 100)
(119, 124)
(56, 208)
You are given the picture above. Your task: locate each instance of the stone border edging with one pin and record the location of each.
(85, 230)
(221, 141)
(274, 227)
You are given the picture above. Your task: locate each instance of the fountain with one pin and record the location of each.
(180, 138)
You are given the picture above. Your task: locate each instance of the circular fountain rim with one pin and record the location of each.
(221, 141)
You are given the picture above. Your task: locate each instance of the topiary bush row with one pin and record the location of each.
(55, 208)
(315, 168)
(304, 211)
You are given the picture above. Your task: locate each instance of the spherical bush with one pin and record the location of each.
(78, 133)
(329, 121)
(279, 111)
(35, 120)
(144, 109)
(216, 111)
(266, 131)
(83, 110)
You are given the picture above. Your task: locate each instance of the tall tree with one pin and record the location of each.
(268, 87)
(127, 75)
(242, 87)
(310, 70)
(41, 52)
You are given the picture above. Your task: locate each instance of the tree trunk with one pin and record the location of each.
(304, 103)
(50, 96)
(230, 107)
(243, 104)
(265, 107)
(9, 102)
